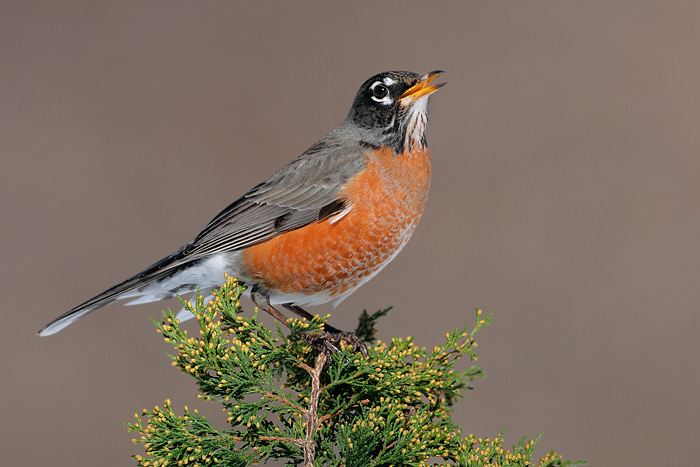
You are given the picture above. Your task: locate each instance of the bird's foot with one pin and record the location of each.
(330, 342)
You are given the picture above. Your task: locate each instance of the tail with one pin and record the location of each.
(160, 281)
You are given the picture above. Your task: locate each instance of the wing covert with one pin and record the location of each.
(304, 191)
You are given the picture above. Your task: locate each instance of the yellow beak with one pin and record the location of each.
(422, 87)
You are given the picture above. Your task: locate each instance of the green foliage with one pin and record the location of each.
(286, 401)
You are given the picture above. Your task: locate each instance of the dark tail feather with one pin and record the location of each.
(158, 271)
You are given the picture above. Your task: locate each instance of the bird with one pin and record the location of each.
(318, 228)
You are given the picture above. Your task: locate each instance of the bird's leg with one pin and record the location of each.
(329, 333)
(261, 298)
(305, 314)
(326, 341)
(322, 342)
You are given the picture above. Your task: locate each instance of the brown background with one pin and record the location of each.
(564, 201)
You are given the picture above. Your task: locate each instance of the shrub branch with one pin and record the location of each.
(288, 402)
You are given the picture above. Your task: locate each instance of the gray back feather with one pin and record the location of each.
(292, 198)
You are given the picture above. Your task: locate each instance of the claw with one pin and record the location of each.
(329, 342)
(357, 344)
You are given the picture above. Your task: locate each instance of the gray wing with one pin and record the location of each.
(307, 190)
(304, 191)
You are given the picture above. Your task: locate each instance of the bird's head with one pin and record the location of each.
(391, 109)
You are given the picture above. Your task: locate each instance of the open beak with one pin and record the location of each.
(422, 87)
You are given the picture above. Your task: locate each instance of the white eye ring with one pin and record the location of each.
(381, 94)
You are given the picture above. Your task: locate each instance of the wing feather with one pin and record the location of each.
(292, 198)
(307, 190)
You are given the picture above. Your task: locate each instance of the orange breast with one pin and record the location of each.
(386, 202)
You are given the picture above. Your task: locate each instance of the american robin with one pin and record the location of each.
(318, 228)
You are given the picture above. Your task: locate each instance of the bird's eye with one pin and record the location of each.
(380, 93)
